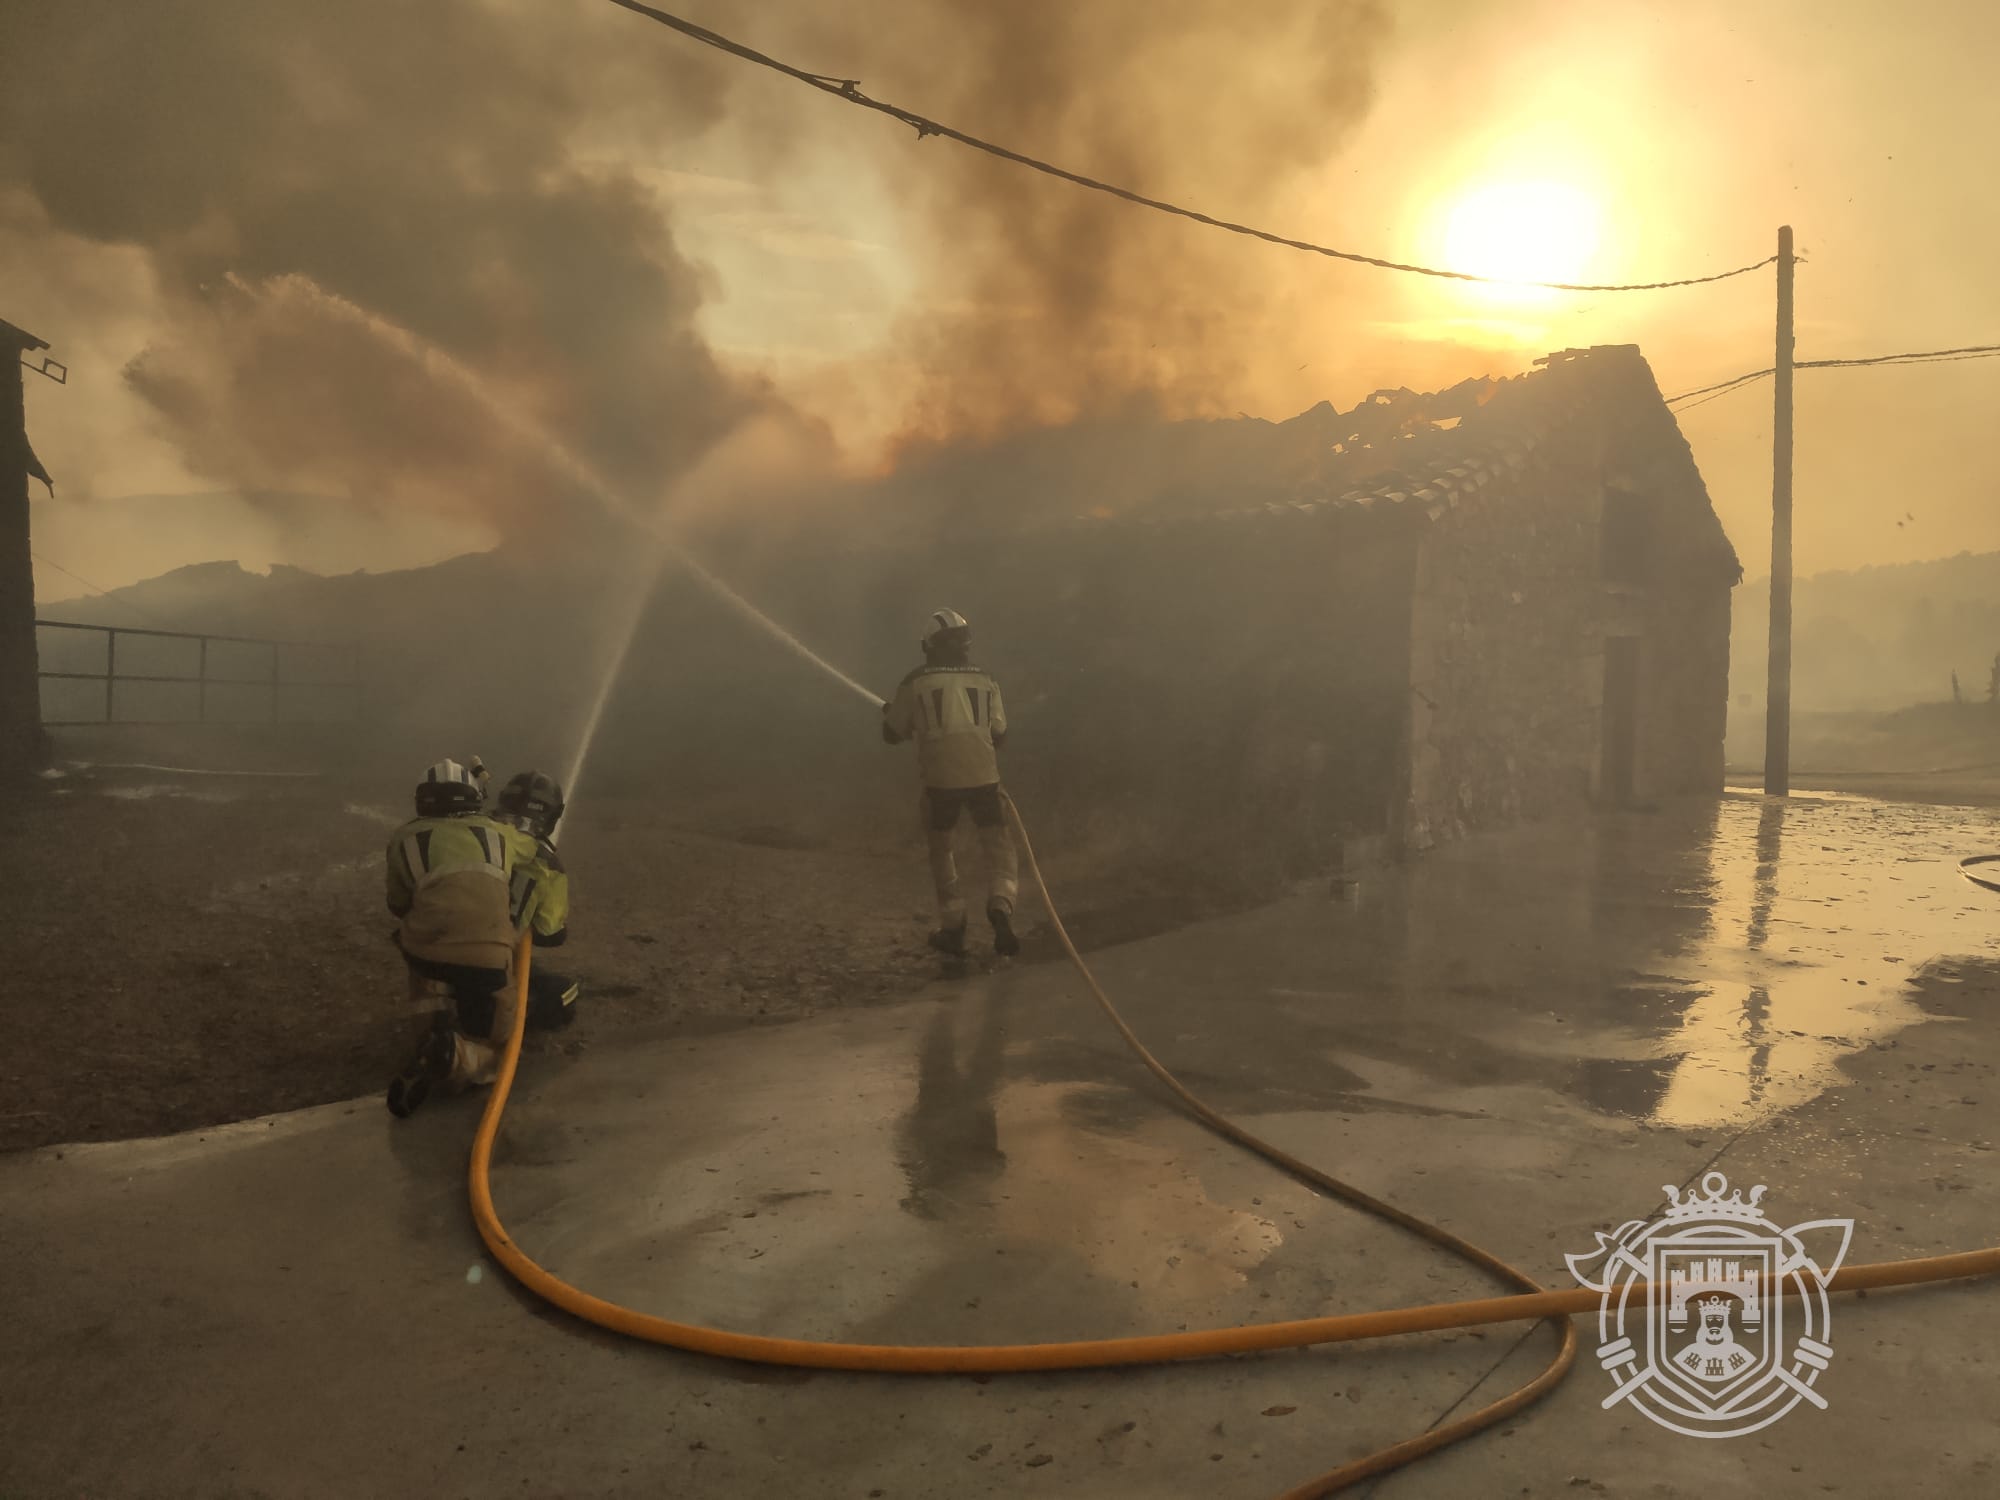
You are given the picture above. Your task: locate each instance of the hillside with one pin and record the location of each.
(116, 541)
(1876, 638)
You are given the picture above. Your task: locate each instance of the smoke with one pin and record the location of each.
(454, 167)
(1046, 302)
(417, 161)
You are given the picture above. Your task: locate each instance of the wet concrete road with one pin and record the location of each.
(1521, 1037)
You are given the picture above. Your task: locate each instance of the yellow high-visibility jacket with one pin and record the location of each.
(466, 887)
(956, 717)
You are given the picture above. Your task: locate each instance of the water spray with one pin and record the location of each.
(641, 596)
(571, 465)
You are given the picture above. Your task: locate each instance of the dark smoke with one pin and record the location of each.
(417, 160)
(427, 161)
(1060, 303)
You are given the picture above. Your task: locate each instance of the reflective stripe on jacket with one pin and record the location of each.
(465, 887)
(954, 714)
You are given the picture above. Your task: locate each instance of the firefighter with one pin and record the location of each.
(954, 713)
(463, 886)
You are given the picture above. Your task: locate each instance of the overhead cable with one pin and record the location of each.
(850, 90)
(1909, 357)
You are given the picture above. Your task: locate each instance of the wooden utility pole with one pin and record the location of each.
(1778, 687)
(20, 686)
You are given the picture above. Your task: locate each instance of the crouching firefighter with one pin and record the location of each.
(464, 887)
(954, 713)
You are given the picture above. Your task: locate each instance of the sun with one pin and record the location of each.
(1522, 231)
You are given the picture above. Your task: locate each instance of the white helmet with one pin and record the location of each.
(944, 623)
(449, 790)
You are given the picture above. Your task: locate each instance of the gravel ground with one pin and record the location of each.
(185, 951)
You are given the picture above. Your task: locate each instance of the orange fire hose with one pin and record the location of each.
(1533, 1303)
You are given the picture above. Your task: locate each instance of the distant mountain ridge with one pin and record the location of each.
(1876, 638)
(116, 540)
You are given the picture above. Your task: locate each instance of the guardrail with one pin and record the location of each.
(229, 672)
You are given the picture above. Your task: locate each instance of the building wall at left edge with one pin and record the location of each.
(23, 743)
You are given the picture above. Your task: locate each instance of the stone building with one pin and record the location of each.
(1430, 614)
(1427, 615)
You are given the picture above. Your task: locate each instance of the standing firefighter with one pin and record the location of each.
(953, 711)
(464, 886)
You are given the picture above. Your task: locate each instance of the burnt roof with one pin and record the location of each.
(1425, 453)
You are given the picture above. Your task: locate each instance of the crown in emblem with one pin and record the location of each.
(1711, 1204)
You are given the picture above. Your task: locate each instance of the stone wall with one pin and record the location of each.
(1223, 695)
(1520, 584)
(1684, 706)
(1227, 692)
(1505, 685)
(1680, 607)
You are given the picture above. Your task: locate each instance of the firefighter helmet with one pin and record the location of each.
(533, 802)
(449, 790)
(946, 628)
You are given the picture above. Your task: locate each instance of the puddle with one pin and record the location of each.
(1818, 915)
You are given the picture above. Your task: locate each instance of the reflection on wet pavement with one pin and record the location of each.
(950, 1139)
(1711, 967)
(1829, 931)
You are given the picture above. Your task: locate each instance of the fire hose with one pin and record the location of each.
(1531, 1302)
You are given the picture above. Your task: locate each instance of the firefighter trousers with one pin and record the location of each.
(941, 809)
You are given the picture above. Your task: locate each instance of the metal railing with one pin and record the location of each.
(276, 689)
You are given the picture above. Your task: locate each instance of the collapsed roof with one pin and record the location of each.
(1428, 452)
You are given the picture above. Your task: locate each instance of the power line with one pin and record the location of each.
(849, 89)
(1921, 356)
(1721, 387)
(1729, 388)
(1910, 357)
(106, 593)
(1947, 359)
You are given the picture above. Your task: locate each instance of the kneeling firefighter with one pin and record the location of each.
(953, 711)
(465, 886)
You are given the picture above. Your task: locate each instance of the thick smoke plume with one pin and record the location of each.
(416, 161)
(444, 166)
(1049, 302)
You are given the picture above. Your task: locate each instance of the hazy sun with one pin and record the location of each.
(1522, 231)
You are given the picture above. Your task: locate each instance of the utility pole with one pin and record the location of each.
(1778, 687)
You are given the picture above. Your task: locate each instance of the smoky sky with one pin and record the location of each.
(1054, 302)
(423, 162)
(415, 160)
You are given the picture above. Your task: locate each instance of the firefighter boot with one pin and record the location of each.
(432, 1064)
